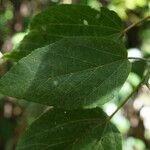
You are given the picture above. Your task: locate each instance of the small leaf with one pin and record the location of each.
(71, 130)
(71, 73)
(63, 21)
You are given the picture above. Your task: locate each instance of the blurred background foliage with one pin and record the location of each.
(133, 120)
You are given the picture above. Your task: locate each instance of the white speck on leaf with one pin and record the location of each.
(85, 22)
(55, 83)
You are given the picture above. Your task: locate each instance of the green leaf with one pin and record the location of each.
(138, 67)
(64, 21)
(71, 130)
(71, 73)
(76, 14)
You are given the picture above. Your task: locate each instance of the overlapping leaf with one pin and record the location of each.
(71, 130)
(74, 59)
(71, 73)
(63, 21)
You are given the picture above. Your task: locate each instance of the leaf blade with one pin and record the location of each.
(71, 73)
(63, 21)
(55, 130)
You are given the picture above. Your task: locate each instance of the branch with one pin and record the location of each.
(138, 58)
(130, 95)
(134, 24)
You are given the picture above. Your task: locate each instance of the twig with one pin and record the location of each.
(138, 58)
(130, 95)
(134, 24)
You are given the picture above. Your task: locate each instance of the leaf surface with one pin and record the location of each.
(71, 73)
(71, 130)
(63, 21)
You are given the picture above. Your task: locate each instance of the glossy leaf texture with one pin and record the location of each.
(63, 21)
(71, 73)
(71, 130)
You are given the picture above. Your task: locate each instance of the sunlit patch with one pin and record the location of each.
(134, 52)
(1, 55)
(110, 108)
(145, 113)
(8, 110)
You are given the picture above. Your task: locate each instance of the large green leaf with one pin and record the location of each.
(71, 73)
(71, 130)
(63, 21)
(76, 15)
